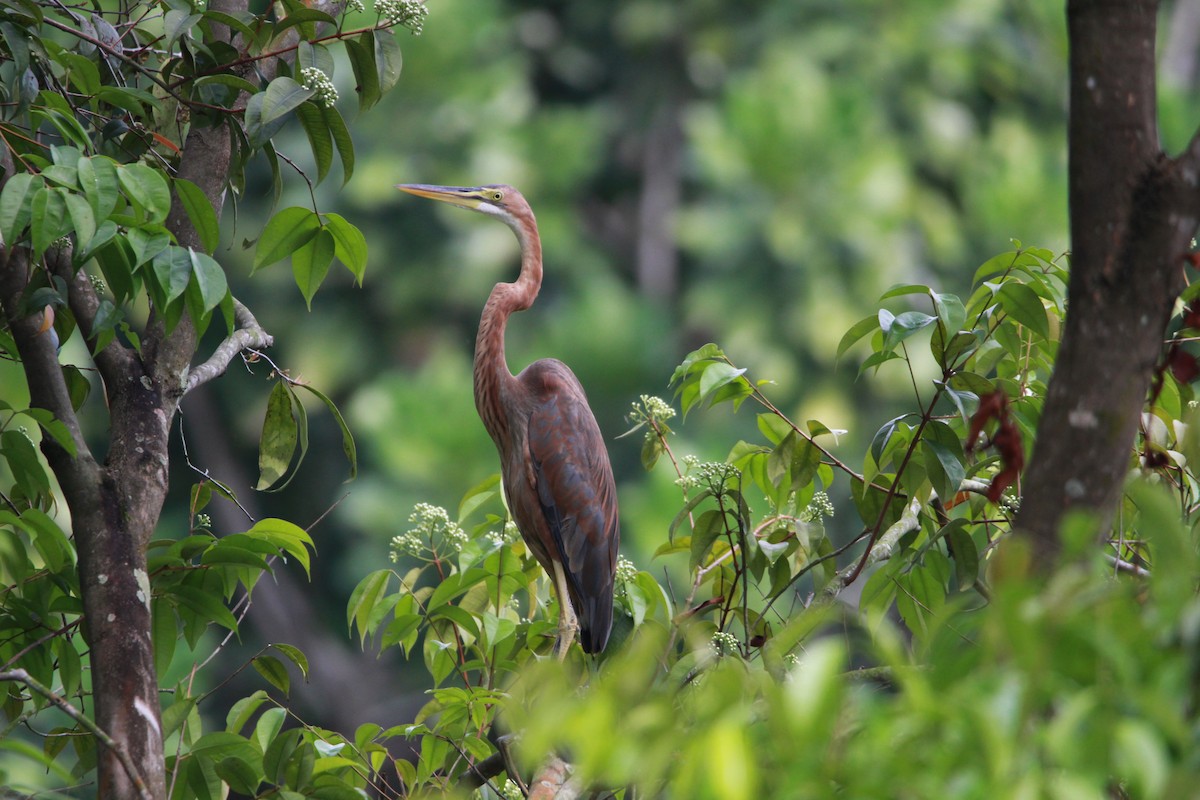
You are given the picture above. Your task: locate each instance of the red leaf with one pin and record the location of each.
(1183, 364)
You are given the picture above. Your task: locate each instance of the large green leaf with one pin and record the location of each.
(201, 213)
(267, 111)
(285, 233)
(1023, 305)
(16, 202)
(98, 177)
(311, 262)
(209, 278)
(319, 137)
(147, 188)
(350, 246)
(277, 444)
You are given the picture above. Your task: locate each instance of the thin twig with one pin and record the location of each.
(249, 335)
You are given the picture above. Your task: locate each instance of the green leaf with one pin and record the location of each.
(717, 375)
(366, 75)
(950, 311)
(295, 655)
(348, 446)
(243, 710)
(48, 219)
(286, 232)
(267, 111)
(172, 269)
(388, 60)
(341, 139)
(902, 326)
(101, 186)
(904, 289)
(208, 606)
(311, 262)
(200, 212)
(176, 24)
(709, 526)
(277, 444)
(1023, 305)
(857, 331)
(82, 219)
(288, 537)
(16, 202)
(147, 188)
(966, 555)
(350, 246)
(319, 137)
(366, 595)
(273, 670)
(209, 278)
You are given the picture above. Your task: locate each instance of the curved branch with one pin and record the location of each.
(21, 676)
(249, 335)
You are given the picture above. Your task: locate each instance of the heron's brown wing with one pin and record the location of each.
(578, 497)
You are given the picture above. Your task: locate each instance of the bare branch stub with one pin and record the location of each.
(249, 335)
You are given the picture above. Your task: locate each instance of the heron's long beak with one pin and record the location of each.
(462, 196)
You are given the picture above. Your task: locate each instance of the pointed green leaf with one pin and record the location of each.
(857, 331)
(350, 246)
(311, 262)
(210, 279)
(147, 188)
(319, 137)
(287, 231)
(362, 60)
(273, 670)
(348, 446)
(200, 212)
(278, 442)
(267, 111)
(98, 177)
(16, 204)
(341, 139)
(388, 60)
(1023, 305)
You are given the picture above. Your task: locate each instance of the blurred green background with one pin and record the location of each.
(753, 175)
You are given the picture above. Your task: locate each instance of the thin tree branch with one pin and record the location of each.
(883, 549)
(248, 336)
(21, 676)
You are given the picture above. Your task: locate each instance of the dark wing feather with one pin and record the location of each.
(578, 497)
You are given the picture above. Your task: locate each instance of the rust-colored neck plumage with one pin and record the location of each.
(493, 380)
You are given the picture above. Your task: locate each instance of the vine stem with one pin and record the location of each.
(21, 676)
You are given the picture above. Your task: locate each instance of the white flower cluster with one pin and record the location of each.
(409, 13)
(203, 521)
(506, 535)
(431, 522)
(724, 644)
(820, 506)
(324, 92)
(626, 569)
(649, 408)
(355, 5)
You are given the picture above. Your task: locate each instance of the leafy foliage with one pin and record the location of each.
(101, 111)
(960, 668)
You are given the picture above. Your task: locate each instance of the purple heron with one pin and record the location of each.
(553, 461)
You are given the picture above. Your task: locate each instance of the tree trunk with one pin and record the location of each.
(1133, 212)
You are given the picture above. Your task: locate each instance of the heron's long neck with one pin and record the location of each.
(495, 386)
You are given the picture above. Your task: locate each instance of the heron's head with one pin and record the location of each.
(496, 200)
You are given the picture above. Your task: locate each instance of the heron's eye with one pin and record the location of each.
(497, 196)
